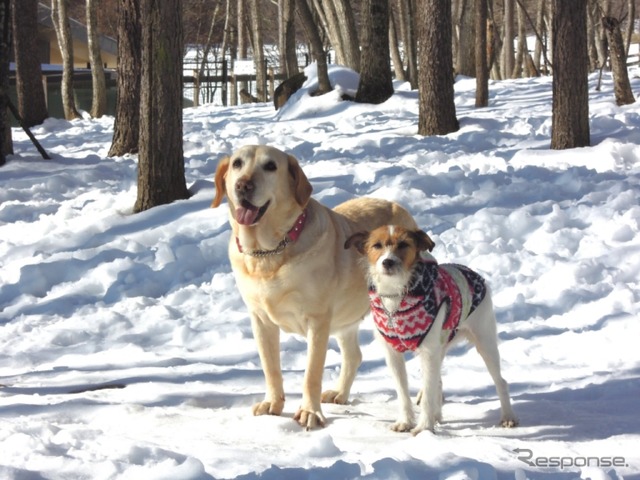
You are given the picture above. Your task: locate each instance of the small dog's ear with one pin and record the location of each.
(423, 241)
(358, 240)
(301, 185)
(221, 173)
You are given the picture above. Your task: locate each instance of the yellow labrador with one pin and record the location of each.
(287, 253)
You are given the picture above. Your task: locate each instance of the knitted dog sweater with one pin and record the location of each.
(432, 286)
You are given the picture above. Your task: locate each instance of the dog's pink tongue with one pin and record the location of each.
(246, 215)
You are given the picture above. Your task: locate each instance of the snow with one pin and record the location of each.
(126, 351)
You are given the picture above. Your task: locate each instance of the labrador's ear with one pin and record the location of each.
(423, 241)
(221, 174)
(357, 240)
(301, 187)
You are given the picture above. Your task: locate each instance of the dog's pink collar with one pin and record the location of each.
(291, 236)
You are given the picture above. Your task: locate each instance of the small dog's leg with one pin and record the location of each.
(351, 360)
(396, 363)
(485, 338)
(420, 395)
(431, 401)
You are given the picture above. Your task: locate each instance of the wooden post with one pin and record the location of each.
(225, 79)
(234, 89)
(46, 91)
(272, 81)
(196, 88)
(264, 87)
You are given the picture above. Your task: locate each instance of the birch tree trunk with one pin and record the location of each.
(315, 41)
(394, 47)
(230, 42)
(407, 9)
(542, 35)
(63, 33)
(258, 51)
(99, 85)
(287, 38)
(341, 28)
(508, 53)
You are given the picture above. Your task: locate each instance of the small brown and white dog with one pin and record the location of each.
(421, 306)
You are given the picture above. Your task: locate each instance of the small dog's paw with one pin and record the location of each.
(332, 396)
(268, 408)
(402, 426)
(309, 420)
(422, 428)
(509, 422)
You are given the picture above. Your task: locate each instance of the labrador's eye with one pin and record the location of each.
(237, 164)
(270, 166)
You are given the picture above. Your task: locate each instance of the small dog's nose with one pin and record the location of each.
(388, 263)
(244, 185)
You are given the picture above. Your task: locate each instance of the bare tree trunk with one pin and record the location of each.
(466, 64)
(229, 42)
(161, 162)
(341, 28)
(243, 42)
(436, 109)
(317, 49)
(376, 83)
(63, 32)
(482, 68)
(541, 44)
(596, 38)
(621, 85)
(287, 38)
(493, 48)
(631, 20)
(570, 111)
(98, 82)
(394, 48)
(126, 129)
(206, 50)
(407, 9)
(327, 13)
(29, 89)
(508, 53)
(519, 67)
(6, 146)
(258, 51)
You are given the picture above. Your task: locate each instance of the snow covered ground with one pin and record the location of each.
(126, 351)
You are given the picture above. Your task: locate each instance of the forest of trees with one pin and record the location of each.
(425, 42)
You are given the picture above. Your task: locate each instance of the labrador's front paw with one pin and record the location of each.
(310, 419)
(268, 408)
(333, 396)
